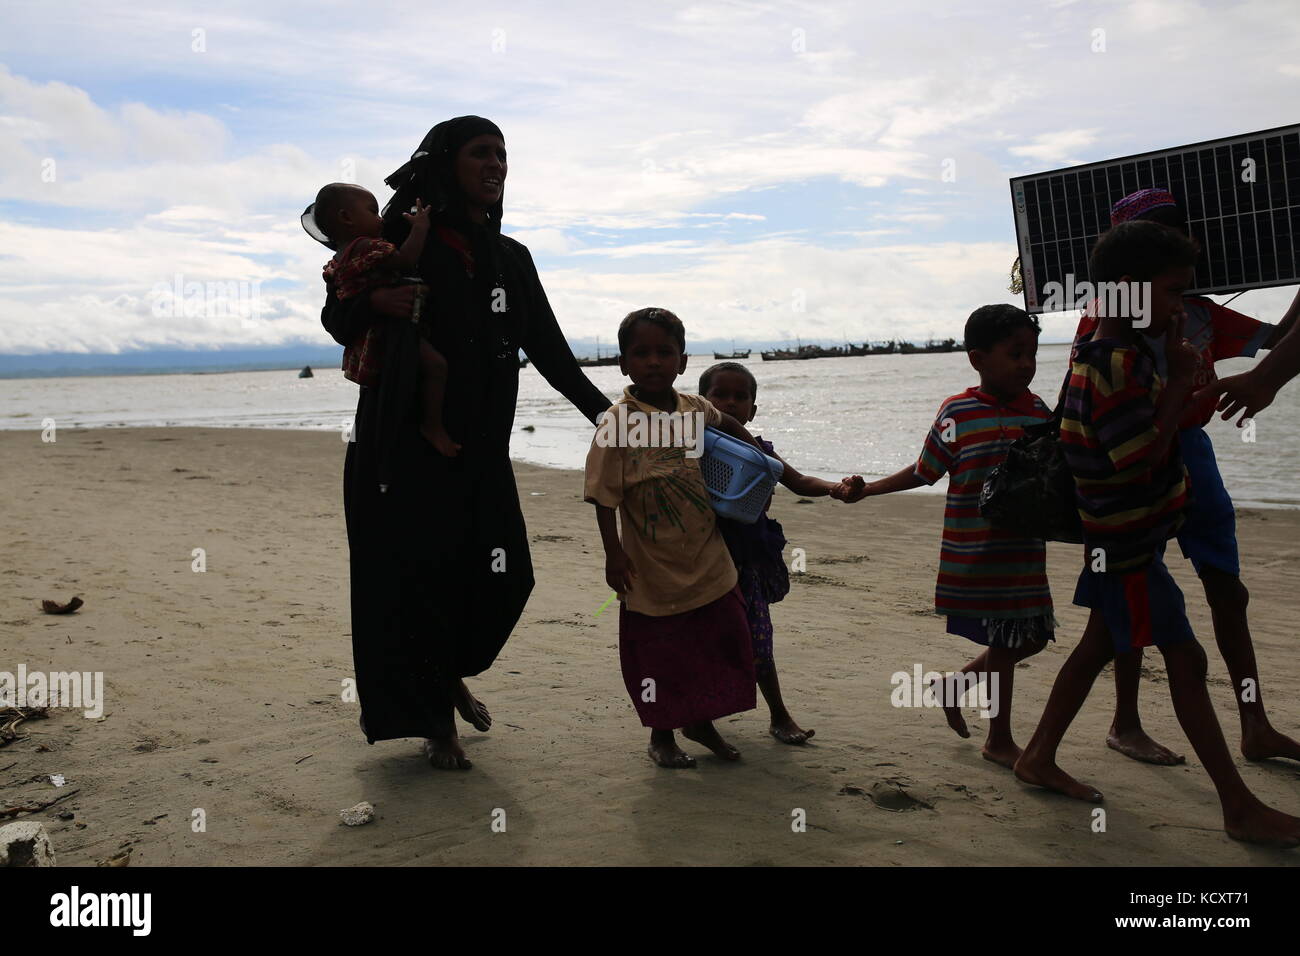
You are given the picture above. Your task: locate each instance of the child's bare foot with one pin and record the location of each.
(440, 440)
(1263, 743)
(705, 733)
(787, 731)
(1051, 777)
(664, 751)
(1004, 755)
(953, 714)
(470, 708)
(444, 753)
(1259, 823)
(1136, 744)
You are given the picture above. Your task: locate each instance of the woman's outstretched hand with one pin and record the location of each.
(395, 300)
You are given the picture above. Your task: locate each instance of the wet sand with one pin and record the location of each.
(223, 688)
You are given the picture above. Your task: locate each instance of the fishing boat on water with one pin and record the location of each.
(784, 355)
(892, 347)
(735, 354)
(808, 352)
(944, 345)
(599, 359)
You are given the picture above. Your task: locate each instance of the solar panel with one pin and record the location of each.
(1241, 196)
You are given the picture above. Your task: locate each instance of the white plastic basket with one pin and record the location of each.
(739, 477)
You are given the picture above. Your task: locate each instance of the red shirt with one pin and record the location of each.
(1215, 332)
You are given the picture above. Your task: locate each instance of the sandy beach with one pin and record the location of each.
(223, 688)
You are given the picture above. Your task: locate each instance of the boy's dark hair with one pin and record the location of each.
(706, 377)
(329, 203)
(1142, 249)
(990, 324)
(660, 317)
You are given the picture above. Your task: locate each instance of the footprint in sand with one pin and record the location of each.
(890, 795)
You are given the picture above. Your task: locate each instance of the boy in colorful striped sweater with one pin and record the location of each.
(1119, 434)
(1208, 535)
(992, 584)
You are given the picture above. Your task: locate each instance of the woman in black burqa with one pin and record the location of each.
(440, 569)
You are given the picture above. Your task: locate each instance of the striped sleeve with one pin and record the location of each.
(1123, 415)
(937, 455)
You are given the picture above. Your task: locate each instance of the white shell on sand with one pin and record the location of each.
(25, 844)
(356, 816)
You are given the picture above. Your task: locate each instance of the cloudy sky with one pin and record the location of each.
(722, 159)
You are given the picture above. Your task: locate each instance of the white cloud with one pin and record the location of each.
(1056, 148)
(755, 167)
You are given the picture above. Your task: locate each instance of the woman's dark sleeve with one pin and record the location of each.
(344, 320)
(550, 354)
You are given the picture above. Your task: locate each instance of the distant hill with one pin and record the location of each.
(172, 361)
(167, 361)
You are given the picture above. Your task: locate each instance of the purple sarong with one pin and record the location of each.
(701, 663)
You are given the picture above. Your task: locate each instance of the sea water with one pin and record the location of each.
(829, 417)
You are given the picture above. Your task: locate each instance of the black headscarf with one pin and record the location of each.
(430, 176)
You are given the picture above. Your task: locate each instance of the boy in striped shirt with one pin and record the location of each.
(1208, 535)
(992, 585)
(1119, 434)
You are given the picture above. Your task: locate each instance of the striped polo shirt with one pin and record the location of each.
(984, 572)
(1129, 508)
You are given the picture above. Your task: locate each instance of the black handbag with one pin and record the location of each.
(1031, 492)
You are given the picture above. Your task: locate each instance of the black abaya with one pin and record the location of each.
(433, 599)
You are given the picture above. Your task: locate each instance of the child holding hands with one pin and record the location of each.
(992, 585)
(684, 640)
(756, 548)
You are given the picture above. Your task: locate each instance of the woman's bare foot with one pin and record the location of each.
(444, 753)
(784, 729)
(1264, 743)
(1136, 744)
(1260, 823)
(1051, 777)
(664, 751)
(1004, 755)
(470, 708)
(438, 437)
(705, 733)
(953, 714)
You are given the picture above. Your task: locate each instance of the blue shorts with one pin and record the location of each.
(1140, 608)
(1208, 536)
